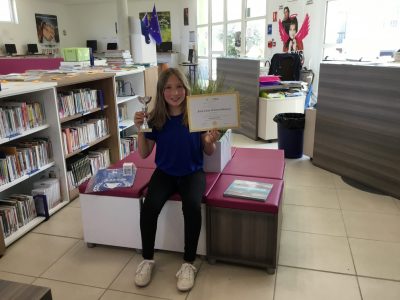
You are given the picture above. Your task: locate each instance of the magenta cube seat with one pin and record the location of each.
(142, 179)
(216, 198)
(266, 163)
(244, 231)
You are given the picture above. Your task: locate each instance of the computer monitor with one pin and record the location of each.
(92, 44)
(112, 46)
(32, 49)
(10, 49)
(164, 47)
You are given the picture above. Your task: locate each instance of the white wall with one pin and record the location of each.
(313, 42)
(96, 22)
(25, 32)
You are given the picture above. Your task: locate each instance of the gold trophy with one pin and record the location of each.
(145, 101)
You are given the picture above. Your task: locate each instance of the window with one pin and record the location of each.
(8, 11)
(355, 30)
(229, 28)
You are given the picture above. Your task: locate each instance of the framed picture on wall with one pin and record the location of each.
(47, 29)
(186, 16)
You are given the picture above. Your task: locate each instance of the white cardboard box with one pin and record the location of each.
(222, 154)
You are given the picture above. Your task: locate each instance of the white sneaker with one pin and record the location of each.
(186, 276)
(143, 272)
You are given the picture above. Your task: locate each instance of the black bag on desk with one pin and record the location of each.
(286, 65)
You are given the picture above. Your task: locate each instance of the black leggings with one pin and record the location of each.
(191, 189)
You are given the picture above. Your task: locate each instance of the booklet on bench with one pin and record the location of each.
(252, 190)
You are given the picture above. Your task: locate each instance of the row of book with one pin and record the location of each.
(128, 145)
(122, 112)
(83, 166)
(16, 117)
(80, 135)
(15, 212)
(24, 158)
(79, 101)
(18, 210)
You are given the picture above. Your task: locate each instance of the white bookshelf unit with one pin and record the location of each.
(44, 93)
(134, 79)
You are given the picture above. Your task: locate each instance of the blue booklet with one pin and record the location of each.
(252, 190)
(106, 179)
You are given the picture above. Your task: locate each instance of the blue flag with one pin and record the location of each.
(155, 27)
(145, 28)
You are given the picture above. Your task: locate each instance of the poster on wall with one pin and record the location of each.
(47, 29)
(164, 19)
(291, 35)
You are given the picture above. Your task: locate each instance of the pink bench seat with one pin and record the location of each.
(142, 179)
(211, 179)
(266, 163)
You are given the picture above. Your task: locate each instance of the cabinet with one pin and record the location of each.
(44, 94)
(269, 108)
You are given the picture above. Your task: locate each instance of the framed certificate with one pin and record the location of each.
(210, 111)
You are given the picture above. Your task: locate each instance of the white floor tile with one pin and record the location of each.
(373, 226)
(313, 220)
(314, 251)
(301, 284)
(376, 259)
(372, 289)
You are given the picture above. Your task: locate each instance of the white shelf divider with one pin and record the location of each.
(121, 100)
(125, 124)
(25, 177)
(58, 207)
(23, 230)
(25, 133)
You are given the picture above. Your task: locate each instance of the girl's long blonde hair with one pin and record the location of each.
(159, 115)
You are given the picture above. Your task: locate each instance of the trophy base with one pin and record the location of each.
(145, 130)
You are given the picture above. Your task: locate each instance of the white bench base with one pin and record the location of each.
(115, 221)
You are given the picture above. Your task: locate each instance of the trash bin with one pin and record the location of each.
(291, 133)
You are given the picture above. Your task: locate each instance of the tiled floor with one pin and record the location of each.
(337, 242)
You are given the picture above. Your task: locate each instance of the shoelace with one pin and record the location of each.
(185, 271)
(143, 267)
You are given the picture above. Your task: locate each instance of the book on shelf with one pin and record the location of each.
(78, 101)
(106, 179)
(129, 144)
(122, 112)
(16, 211)
(78, 134)
(246, 189)
(50, 187)
(41, 204)
(24, 158)
(17, 117)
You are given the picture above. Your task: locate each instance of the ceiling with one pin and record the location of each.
(79, 1)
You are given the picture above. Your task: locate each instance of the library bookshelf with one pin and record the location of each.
(107, 110)
(143, 82)
(43, 93)
(133, 83)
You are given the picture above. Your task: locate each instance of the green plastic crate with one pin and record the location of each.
(76, 54)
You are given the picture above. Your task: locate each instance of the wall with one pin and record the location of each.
(96, 22)
(313, 41)
(25, 32)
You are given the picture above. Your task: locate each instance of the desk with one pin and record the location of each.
(21, 64)
(21, 291)
(192, 70)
